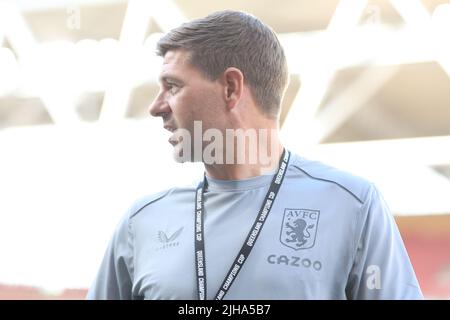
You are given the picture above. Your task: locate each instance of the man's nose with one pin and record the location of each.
(159, 106)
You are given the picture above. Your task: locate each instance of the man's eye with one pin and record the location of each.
(172, 88)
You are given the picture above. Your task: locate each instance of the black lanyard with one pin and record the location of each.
(251, 237)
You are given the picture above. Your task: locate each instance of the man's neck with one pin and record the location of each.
(247, 169)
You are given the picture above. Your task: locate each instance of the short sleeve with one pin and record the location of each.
(381, 267)
(114, 279)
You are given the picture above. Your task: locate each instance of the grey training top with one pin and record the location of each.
(329, 235)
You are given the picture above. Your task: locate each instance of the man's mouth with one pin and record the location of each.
(169, 128)
(172, 140)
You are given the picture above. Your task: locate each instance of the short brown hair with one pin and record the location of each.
(235, 39)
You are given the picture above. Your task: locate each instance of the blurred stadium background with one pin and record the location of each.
(369, 93)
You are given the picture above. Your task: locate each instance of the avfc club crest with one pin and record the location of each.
(299, 228)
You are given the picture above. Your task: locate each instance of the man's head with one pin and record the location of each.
(234, 39)
(225, 70)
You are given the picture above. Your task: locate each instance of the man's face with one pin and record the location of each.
(185, 96)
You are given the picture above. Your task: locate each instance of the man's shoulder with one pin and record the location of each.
(170, 195)
(319, 172)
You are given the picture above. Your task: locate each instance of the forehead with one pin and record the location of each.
(177, 66)
(176, 58)
(176, 63)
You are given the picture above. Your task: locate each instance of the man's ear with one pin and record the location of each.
(233, 84)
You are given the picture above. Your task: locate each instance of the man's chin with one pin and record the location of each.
(180, 155)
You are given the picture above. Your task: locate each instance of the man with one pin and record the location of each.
(278, 227)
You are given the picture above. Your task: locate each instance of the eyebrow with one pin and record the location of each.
(170, 78)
